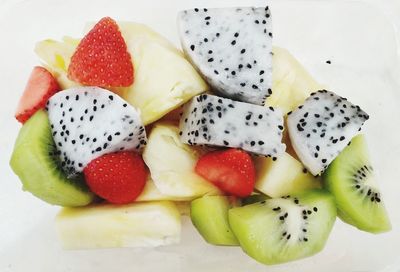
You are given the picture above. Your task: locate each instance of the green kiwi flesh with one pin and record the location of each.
(34, 161)
(350, 178)
(284, 229)
(209, 215)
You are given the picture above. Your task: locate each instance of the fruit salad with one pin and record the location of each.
(127, 132)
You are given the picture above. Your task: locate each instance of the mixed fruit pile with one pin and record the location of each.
(120, 126)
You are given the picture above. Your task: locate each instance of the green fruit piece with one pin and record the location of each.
(284, 229)
(209, 215)
(350, 178)
(284, 176)
(34, 161)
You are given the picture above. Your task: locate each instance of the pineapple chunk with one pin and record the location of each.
(291, 83)
(147, 224)
(163, 78)
(56, 57)
(171, 164)
(134, 31)
(151, 193)
(283, 176)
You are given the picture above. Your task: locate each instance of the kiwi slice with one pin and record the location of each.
(34, 160)
(283, 229)
(209, 215)
(350, 178)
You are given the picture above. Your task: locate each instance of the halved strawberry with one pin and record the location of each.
(117, 177)
(231, 170)
(101, 58)
(40, 87)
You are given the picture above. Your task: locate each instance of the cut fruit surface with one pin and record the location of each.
(136, 32)
(284, 229)
(40, 87)
(147, 224)
(172, 163)
(56, 56)
(88, 122)
(151, 193)
(231, 170)
(209, 215)
(350, 178)
(164, 79)
(35, 162)
(321, 127)
(216, 121)
(154, 57)
(291, 83)
(284, 176)
(232, 49)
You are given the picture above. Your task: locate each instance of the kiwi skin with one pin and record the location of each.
(253, 199)
(355, 207)
(32, 161)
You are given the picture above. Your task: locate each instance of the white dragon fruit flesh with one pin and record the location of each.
(322, 127)
(88, 122)
(232, 49)
(216, 121)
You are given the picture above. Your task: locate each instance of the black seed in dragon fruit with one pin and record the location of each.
(216, 121)
(232, 49)
(88, 122)
(322, 127)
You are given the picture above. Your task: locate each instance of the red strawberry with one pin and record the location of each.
(40, 87)
(231, 170)
(101, 58)
(117, 177)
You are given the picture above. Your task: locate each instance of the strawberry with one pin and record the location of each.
(231, 170)
(118, 177)
(40, 87)
(101, 58)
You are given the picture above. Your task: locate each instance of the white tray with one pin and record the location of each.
(356, 37)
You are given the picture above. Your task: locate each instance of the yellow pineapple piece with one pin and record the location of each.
(172, 163)
(282, 177)
(291, 83)
(144, 224)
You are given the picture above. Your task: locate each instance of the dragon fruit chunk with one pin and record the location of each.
(88, 122)
(232, 49)
(217, 121)
(322, 127)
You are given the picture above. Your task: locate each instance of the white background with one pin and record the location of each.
(360, 39)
